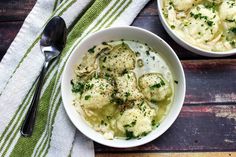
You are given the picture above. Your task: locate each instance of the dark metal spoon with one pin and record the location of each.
(52, 42)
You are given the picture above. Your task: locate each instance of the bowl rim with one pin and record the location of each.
(181, 99)
(187, 45)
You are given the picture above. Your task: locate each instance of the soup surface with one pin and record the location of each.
(123, 89)
(207, 24)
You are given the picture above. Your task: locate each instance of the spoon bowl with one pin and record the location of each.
(53, 38)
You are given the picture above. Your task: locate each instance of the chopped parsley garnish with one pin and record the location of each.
(109, 117)
(147, 53)
(125, 71)
(108, 69)
(211, 6)
(127, 94)
(104, 43)
(162, 83)
(127, 125)
(153, 122)
(107, 76)
(87, 97)
(210, 23)
(104, 59)
(172, 26)
(230, 20)
(153, 101)
(137, 54)
(233, 29)
(144, 133)
(233, 43)
(129, 135)
(134, 122)
(116, 100)
(89, 86)
(158, 85)
(91, 50)
(103, 123)
(77, 87)
(176, 82)
(128, 76)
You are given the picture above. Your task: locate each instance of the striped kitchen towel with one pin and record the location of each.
(54, 134)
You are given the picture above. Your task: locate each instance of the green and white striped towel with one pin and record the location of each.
(54, 134)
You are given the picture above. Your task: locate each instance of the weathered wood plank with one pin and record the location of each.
(210, 81)
(199, 154)
(198, 128)
(15, 10)
(150, 9)
(8, 31)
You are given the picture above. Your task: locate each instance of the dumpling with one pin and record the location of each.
(203, 23)
(127, 87)
(154, 87)
(97, 95)
(136, 121)
(228, 14)
(183, 5)
(120, 59)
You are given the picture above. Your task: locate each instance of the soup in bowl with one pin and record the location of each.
(123, 87)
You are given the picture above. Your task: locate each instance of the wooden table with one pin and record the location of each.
(206, 126)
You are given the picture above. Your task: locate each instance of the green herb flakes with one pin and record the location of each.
(91, 50)
(87, 97)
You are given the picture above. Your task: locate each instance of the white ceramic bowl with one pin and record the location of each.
(127, 33)
(185, 44)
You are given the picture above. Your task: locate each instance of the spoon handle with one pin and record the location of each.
(28, 124)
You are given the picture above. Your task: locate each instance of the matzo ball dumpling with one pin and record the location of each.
(228, 14)
(127, 87)
(98, 94)
(121, 58)
(203, 23)
(183, 5)
(136, 121)
(154, 87)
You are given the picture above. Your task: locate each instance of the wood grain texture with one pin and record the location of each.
(12, 15)
(210, 81)
(198, 128)
(15, 10)
(199, 154)
(8, 31)
(150, 9)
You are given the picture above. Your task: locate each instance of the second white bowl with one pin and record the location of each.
(186, 44)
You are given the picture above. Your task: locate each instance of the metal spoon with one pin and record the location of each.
(52, 42)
